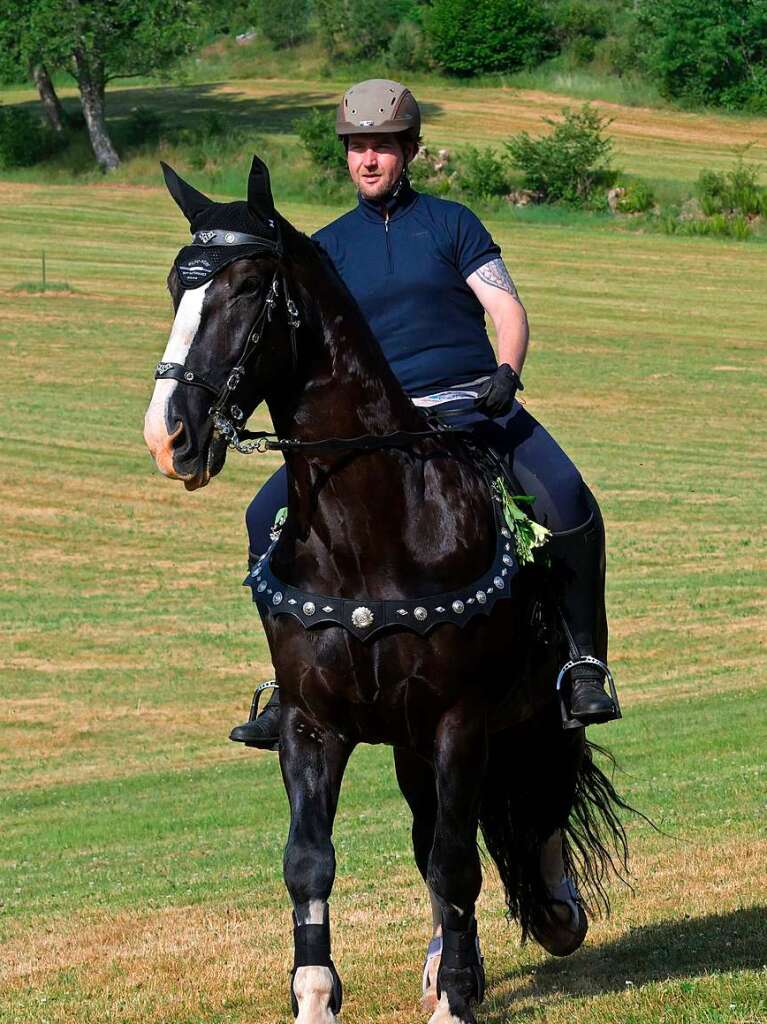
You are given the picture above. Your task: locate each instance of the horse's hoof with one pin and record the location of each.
(443, 1014)
(559, 936)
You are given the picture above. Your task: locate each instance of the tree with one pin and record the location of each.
(468, 37)
(18, 60)
(283, 22)
(98, 40)
(707, 51)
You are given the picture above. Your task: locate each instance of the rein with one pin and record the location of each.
(228, 418)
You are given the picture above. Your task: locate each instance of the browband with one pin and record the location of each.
(219, 237)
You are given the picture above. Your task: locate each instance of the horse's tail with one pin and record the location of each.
(533, 786)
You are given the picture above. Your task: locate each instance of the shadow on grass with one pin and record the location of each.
(183, 106)
(670, 949)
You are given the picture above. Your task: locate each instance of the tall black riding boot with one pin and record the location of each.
(580, 553)
(261, 730)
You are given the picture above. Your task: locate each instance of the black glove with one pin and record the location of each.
(497, 396)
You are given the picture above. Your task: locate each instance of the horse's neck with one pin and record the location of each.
(357, 519)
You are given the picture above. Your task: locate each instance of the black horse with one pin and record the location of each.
(392, 603)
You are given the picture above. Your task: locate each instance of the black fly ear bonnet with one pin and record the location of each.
(224, 232)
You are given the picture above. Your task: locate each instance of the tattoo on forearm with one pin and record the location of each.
(495, 273)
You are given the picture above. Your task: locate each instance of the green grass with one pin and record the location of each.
(140, 862)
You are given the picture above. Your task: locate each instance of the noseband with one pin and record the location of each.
(228, 418)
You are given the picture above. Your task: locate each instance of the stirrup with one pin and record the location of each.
(568, 722)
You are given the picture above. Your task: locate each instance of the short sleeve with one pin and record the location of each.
(474, 246)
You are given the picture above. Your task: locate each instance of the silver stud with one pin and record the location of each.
(439, 609)
(504, 572)
(489, 590)
(292, 600)
(188, 375)
(277, 599)
(309, 608)
(507, 560)
(507, 547)
(229, 237)
(362, 617)
(327, 608)
(458, 607)
(401, 611)
(261, 586)
(499, 582)
(481, 596)
(470, 600)
(420, 613)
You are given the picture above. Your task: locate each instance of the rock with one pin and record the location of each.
(523, 197)
(614, 197)
(691, 210)
(443, 155)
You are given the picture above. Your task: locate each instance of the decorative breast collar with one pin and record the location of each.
(365, 617)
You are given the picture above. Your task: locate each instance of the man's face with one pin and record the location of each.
(375, 163)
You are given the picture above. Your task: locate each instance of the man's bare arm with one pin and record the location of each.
(493, 286)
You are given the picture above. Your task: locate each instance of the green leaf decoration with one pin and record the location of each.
(526, 533)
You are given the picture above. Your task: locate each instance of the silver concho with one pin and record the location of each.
(505, 532)
(261, 586)
(277, 599)
(309, 608)
(420, 613)
(507, 560)
(229, 237)
(499, 582)
(458, 607)
(362, 617)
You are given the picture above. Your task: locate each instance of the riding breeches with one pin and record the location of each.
(535, 459)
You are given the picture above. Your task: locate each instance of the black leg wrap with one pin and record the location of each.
(461, 964)
(311, 944)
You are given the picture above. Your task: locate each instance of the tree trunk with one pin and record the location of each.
(51, 103)
(90, 79)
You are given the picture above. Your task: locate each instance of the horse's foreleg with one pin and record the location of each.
(415, 776)
(313, 764)
(454, 872)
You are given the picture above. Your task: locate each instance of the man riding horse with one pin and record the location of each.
(425, 271)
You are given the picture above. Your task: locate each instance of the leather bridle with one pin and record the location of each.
(227, 417)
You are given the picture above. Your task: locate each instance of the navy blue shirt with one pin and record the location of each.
(408, 274)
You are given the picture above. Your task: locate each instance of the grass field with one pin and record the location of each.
(140, 857)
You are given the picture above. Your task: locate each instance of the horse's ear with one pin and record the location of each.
(190, 201)
(260, 202)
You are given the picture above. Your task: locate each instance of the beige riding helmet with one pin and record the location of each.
(378, 105)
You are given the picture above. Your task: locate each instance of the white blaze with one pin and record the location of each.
(183, 333)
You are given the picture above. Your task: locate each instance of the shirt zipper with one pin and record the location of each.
(389, 264)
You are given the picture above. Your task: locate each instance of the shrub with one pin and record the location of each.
(317, 132)
(468, 37)
(481, 174)
(578, 25)
(637, 198)
(283, 22)
(569, 163)
(143, 126)
(407, 49)
(24, 139)
(707, 51)
(731, 192)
